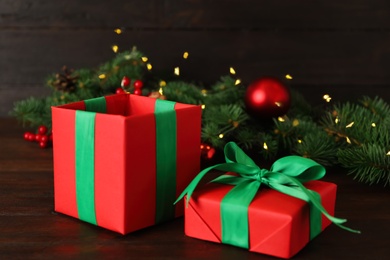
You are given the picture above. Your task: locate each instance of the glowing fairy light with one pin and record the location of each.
(388, 153)
(337, 120)
(203, 106)
(144, 59)
(160, 90)
(299, 141)
(265, 146)
(149, 66)
(102, 76)
(350, 125)
(348, 140)
(327, 98)
(204, 92)
(278, 104)
(162, 83)
(185, 55)
(295, 122)
(115, 48)
(176, 71)
(373, 125)
(288, 76)
(237, 82)
(220, 136)
(118, 31)
(281, 119)
(232, 71)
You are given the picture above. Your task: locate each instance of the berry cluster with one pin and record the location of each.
(41, 137)
(125, 84)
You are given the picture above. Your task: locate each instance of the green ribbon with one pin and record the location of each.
(85, 158)
(286, 175)
(165, 116)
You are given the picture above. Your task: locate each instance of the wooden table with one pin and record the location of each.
(30, 229)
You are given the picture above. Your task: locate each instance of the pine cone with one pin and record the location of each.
(65, 82)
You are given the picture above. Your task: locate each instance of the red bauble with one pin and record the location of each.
(138, 84)
(125, 82)
(266, 98)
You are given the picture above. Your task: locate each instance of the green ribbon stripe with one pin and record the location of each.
(165, 116)
(85, 158)
(286, 175)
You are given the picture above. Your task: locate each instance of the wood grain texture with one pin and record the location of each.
(337, 47)
(29, 229)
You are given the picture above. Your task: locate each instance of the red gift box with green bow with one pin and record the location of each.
(121, 160)
(275, 212)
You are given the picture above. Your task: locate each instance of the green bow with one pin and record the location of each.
(286, 175)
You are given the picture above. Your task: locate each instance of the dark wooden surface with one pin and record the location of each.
(29, 229)
(337, 47)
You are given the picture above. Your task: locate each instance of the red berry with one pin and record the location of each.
(125, 81)
(31, 137)
(44, 138)
(138, 92)
(26, 136)
(119, 91)
(138, 84)
(42, 130)
(38, 137)
(42, 144)
(51, 137)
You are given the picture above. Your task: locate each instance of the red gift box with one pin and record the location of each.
(275, 212)
(120, 161)
(278, 223)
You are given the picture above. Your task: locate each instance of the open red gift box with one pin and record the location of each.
(120, 161)
(278, 223)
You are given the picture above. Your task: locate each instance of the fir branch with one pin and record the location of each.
(369, 163)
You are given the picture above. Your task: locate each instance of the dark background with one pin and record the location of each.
(341, 48)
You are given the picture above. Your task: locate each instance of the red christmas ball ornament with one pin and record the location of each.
(125, 82)
(267, 97)
(138, 84)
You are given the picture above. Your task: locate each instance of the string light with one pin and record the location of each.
(118, 31)
(220, 136)
(388, 153)
(299, 141)
(288, 76)
(203, 106)
(176, 71)
(237, 82)
(204, 92)
(162, 83)
(295, 122)
(281, 119)
(348, 141)
(350, 125)
(337, 120)
(185, 55)
(327, 98)
(144, 59)
(232, 71)
(115, 48)
(265, 146)
(149, 66)
(102, 76)
(160, 90)
(278, 104)
(373, 125)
